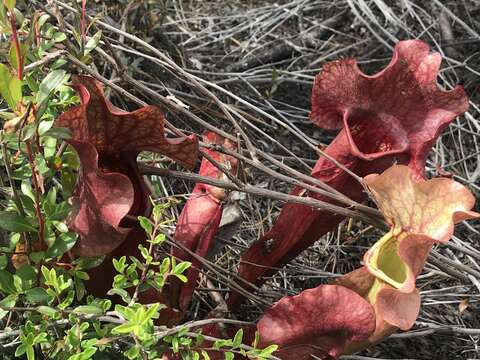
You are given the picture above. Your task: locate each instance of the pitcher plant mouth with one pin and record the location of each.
(109, 185)
(388, 138)
(383, 261)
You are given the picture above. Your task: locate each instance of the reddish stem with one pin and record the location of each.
(38, 209)
(16, 43)
(64, 265)
(83, 28)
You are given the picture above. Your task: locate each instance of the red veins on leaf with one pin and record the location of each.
(393, 116)
(427, 207)
(200, 219)
(109, 186)
(362, 282)
(316, 322)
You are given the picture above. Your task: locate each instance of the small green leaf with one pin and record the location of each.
(52, 193)
(88, 309)
(46, 273)
(3, 313)
(152, 312)
(89, 263)
(49, 84)
(8, 302)
(36, 295)
(157, 212)
(42, 20)
(62, 244)
(44, 126)
(40, 338)
(88, 353)
(12, 221)
(7, 282)
(145, 224)
(229, 355)
(15, 87)
(60, 226)
(164, 266)
(9, 83)
(20, 19)
(182, 278)
(120, 292)
(159, 239)
(59, 37)
(58, 63)
(268, 351)
(68, 299)
(27, 190)
(123, 329)
(3, 262)
(175, 344)
(158, 282)
(181, 267)
(143, 251)
(27, 272)
(133, 353)
(31, 83)
(28, 132)
(37, 256)
(47, 310)
(20, 350)
(93, 42)
(82, 275)
(59, 133)
(119, 264)
(237, 340)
